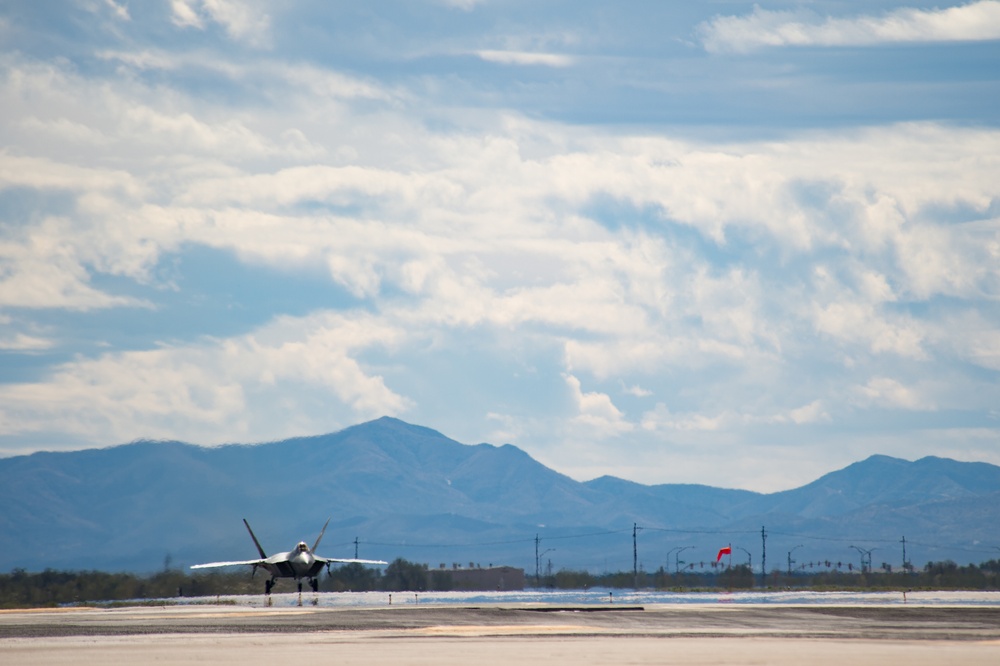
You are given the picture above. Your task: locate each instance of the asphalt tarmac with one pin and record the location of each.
(528, 634)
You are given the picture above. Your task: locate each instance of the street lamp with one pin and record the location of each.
(669, 553)
(749, 558)
(677, 561)
(538, 558)
(865, 554)
(790, 560)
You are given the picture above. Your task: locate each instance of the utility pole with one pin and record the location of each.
(763, 557)
(536, 561)
(355, 547)
(538, 557)
(905, 568)
(635, 556)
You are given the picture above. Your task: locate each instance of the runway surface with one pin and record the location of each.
(539, 634)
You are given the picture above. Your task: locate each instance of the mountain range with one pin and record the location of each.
(399, 490)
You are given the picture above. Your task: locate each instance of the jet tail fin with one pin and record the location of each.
(321, 533)
(260, 550)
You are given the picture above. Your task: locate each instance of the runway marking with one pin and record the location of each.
(61, 609)
(505, 630)
(248, 613)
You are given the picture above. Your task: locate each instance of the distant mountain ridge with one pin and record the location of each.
(406, 490)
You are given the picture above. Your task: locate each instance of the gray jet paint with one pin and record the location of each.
(298, 563)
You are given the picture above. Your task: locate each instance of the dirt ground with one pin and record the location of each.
(710, 634)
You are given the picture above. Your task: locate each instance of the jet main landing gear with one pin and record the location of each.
(268, 584)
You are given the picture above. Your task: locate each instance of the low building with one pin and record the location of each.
(497, 579)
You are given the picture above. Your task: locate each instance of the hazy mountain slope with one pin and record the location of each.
(680, 505)
(406, 490)
(881, 480)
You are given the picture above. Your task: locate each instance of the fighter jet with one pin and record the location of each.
(300, 562)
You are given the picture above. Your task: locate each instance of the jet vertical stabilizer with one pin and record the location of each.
(260, 550)
(321, 533)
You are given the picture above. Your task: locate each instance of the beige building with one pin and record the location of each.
(499, 579)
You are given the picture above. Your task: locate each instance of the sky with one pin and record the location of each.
(731, 243)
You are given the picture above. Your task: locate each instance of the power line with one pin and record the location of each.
(592, 534)
(936, 546)
(680, 531)
(490, 543)
(636, 528)
(447, 545)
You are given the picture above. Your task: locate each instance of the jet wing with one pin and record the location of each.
(334, 560)
(229, 564)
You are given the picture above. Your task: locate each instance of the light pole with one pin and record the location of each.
(669, 553)
(538, 557)
(538, 560)
(865, 554)
(790, 560)
(677, 560)
(749, 558)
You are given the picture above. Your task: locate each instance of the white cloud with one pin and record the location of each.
(24, 343)
(887, 392)
(119, 11)
(480, 200)
(243, 21)
(985, 348)
(526, 58)
(296, 374)
(975, 21)
(466, 5)
(184, 14)
(71, 132)
(47, 267)
(45, 174)
(492, 205)
(314, 183)
(636, 391)
(972, 336)
(508, 428)
(51, 282)
(637, 259)
(811, 413)
(185, 132)
(857, 322)
(595, 414)
(662, 419)
(302, 80)
(318, 84)
(136, 126)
